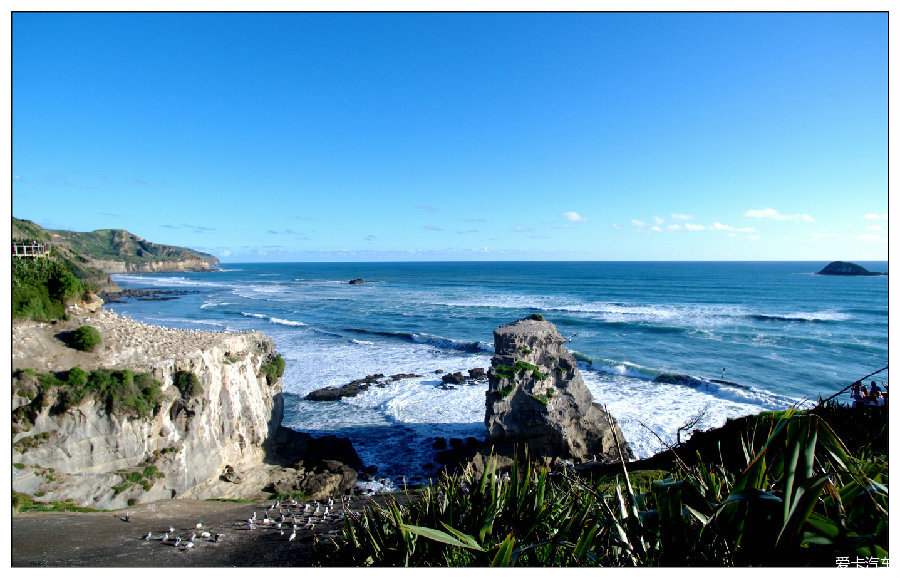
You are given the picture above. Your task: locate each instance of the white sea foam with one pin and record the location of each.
(288, 322)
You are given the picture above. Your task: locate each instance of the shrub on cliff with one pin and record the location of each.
(85, 338)
(187, 383)
(273, 369)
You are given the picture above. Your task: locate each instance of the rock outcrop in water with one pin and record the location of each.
(847, 269)
(224, 440)
(537, 397)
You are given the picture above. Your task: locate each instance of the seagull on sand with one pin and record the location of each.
(171, 530)
(148, 536)
(177, 540)
(164, 538)
(199, 525)
(188, 546)
(205, 534)
(218, 537)
(293, 535)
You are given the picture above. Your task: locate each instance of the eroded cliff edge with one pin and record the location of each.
(222, 439)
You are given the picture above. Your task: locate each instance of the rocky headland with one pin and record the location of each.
(221, 439)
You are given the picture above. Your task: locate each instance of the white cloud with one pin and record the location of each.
(573, 217)
(674, 227)
(657, 229)
(521, 229)
(874, 228)
(681, 217)
(871, 238)
(874, 217)
(693, 227)
(225, 253)
(720, 227)
(616, 226)
(770, 213)
(658, 221)
(637, 223)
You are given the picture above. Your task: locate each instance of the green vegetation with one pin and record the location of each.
(524, 350)
(27, 443)
(505, 391)
(187, 383)
(550, 392)
(540, 398)
(536, 317)
(797, 496)
(508, 371)
(42, 287)
(272, 369)
(122, 246)
(290, 495)
(85, 338)
(123, 392)
(25, 503)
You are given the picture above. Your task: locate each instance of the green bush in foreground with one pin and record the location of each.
(41, 288)
(85, 338)
(799, 498)
(187, 383)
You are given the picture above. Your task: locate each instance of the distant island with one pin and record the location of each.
(846, 269)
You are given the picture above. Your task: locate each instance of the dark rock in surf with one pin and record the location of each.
(454, 378)
(357, 281)
(477, 374)
(847, 269)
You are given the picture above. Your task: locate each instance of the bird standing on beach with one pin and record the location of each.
(292, 536)
(164, 538)
(188, 546)
(199, 525)
(171, 530)
(148, 536)
(127, 517)
(218, 537)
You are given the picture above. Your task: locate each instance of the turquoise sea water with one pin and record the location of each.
(780, 332)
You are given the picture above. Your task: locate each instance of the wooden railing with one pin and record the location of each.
(30, 249)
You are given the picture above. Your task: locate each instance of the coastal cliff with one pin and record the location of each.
(218, 438)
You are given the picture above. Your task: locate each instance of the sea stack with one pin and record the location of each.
(537, 397)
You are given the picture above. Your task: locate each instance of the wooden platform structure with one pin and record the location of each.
(30, 249)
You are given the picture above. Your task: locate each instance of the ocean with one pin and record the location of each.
(780, 334)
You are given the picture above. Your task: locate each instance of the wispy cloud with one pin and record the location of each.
(431, 228)
(110, 215)
(681, 217)
(874, 228)
(693, 227)
(573, 217)
(674, 227)
(197, 228)
(876, 217)
(616, 226)
(870, 238)
(658, 220)
(717, 226)
(637, 223)
(370, 237)
(478, 220)
(169, 226)
(521, 229)
(284, 232)
(770, 213)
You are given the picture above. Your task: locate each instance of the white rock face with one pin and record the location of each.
(83, 453)
(537, 397)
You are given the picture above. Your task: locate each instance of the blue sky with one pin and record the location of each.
(372, 137)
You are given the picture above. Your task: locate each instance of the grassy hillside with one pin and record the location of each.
(119, 245)
(82, 251)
